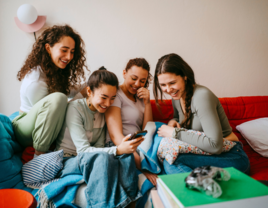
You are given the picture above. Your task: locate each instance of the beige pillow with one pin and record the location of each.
(256, 134)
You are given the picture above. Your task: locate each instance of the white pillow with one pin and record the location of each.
(256, 134)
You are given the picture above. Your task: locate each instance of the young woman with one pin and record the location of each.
(131, 109)
(53, 69)
(195, 107)
(84, 129)
(84, 134)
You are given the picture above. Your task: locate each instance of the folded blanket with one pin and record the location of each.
(60, 193)
(170, 148)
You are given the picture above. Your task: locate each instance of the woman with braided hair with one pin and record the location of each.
(195, 107)
(52, 71)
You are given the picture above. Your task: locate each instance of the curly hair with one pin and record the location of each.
(57, 80)
(173, 63)
(140, 62)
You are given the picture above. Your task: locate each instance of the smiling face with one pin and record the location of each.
(172, 84)
(62, 52)
(101, 98)
(135, 78)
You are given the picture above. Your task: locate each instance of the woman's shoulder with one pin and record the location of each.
(120, 95)
(203, 90)
(203, 94)
(78, 103)
(35, 74)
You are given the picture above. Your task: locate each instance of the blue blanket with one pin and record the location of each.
(60, 193)
(149, 161)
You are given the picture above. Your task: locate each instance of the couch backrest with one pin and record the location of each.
(242, 109)
(165, 111)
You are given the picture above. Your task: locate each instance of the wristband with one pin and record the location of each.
(176, 131)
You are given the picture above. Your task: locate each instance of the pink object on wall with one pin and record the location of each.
(37, 25)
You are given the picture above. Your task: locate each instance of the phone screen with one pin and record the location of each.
(140, 134)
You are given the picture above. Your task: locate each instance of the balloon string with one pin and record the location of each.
(34, 36)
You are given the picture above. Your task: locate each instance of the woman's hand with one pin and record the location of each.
(174, 123)
(150, 176)
(144, 94)
(232, 137)
(165, 131)
(128, 147)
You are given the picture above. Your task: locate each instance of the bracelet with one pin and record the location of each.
(176, 131)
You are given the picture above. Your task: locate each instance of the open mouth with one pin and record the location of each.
(64, 62)
(134, 88)
(103, 107)
(174, 94)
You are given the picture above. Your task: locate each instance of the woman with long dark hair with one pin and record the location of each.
(195, 107)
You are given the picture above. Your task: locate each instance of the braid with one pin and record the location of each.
(188, 113)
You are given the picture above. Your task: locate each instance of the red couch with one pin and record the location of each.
(238, 110)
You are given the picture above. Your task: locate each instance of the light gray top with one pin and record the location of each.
(208, 117)
(132, 113)
(34, 88)
(84, 130)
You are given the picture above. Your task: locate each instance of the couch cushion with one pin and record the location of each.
(10, 153)
(165, 111)
(240, 110)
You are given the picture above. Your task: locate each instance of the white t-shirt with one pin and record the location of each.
(34, 88)
(132, 113)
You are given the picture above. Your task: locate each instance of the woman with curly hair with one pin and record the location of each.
(195, 107)
(53, 70)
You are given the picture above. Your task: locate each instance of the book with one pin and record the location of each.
(165, 197)
(240, 191)
(157, 203)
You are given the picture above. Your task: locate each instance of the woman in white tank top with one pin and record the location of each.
(52, 71)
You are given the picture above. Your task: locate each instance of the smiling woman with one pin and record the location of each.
(195, 107)
(53, 70)
(131, 109)
(84, 132)
(62, 52)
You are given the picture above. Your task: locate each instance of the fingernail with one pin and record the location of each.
(128, 135)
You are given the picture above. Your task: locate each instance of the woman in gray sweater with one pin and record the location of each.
(195, 107)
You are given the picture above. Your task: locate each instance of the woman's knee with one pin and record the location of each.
(58, 101)
(59, 98)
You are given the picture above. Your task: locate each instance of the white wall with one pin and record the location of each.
(224, 41)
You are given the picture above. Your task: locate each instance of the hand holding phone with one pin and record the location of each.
(128, 146)
(138, 134)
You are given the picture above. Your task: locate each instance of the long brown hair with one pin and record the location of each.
(140, 62)
(58, 80)
(173, 63)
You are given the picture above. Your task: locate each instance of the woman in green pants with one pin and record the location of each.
(53, 70)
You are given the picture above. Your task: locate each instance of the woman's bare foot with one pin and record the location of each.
(39, 153)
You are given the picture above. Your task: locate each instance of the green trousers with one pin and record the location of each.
(41, 125)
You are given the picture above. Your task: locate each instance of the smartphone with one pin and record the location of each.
(138, 134)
